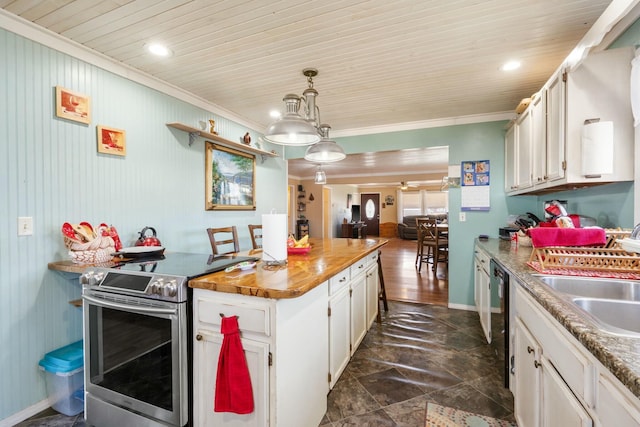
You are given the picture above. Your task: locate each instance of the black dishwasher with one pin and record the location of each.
(500, 281)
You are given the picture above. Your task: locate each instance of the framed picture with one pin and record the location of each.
(111, 141)
(230, 178)
(73, 105)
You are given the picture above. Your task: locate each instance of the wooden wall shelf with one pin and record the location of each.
(194, 133)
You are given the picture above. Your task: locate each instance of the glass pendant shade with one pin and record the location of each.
(321, 177)
(292, 129)
(325, 151)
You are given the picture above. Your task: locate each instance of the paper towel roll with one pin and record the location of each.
(274, 237)
(597, 149)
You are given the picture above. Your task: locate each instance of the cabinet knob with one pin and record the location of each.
(536, 364)
(529, 350)
(199, 337)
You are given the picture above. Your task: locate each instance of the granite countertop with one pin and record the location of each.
(301, 274)
(619, 354)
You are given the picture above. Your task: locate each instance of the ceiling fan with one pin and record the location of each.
(405, 185)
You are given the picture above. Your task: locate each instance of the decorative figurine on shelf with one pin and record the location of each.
(212, 129)
(246, 138)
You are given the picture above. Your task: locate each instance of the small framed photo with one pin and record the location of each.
(73, 105)
(230, 179)
(111, 141)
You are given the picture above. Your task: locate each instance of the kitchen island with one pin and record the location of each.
(300, 324)
(601, 370)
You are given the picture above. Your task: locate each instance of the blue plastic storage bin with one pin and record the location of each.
(64, 376)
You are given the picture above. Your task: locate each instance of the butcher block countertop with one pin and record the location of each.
(302, 273)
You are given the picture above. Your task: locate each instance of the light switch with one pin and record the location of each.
(25, 226)
(463, 216)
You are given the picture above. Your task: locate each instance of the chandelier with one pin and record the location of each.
(300, 124)
(325, 151)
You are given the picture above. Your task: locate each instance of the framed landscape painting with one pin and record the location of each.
(230, 178)
(73, 105)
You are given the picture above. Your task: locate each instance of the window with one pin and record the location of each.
(411, 203)
(425, 202)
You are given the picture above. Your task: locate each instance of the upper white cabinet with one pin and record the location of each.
(548, 134)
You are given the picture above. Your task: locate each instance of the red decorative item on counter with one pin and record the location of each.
(144, 240)
(113, 233)
(233, 391)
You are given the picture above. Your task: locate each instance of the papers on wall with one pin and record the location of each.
(475, 185)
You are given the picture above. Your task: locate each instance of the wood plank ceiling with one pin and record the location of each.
(380, 62)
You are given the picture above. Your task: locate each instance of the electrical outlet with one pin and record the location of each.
(25, 226)
(463, 216)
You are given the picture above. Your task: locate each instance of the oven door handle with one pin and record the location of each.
(118, 306)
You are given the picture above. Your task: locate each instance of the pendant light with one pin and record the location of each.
(321, 177)
(325, 151)
(294, 128)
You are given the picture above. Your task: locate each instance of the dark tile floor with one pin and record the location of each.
(419, 353)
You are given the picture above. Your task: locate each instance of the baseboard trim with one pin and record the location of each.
(29, 412)
(462, 307)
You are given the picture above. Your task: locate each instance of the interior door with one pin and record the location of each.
(370, 212)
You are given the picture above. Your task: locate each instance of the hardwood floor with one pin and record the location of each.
(402, 280)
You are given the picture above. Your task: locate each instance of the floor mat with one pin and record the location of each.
(442, 416)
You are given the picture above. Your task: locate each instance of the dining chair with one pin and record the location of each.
(420, 241)
(437, 244)
(224, 240)
(255, 231)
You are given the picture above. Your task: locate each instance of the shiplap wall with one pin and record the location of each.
(50, 170)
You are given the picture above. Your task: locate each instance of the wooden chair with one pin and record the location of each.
(420, 242)
(255, 231)
(436, 243)
(224, 240)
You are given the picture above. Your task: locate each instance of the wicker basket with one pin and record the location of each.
(99, 250)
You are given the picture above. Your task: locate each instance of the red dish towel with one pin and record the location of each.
(233, 384)
(553, 236)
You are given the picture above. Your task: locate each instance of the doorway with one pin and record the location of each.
(370, 211)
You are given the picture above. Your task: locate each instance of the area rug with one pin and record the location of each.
(442, 416)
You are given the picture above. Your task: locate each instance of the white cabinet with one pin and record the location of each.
(555, 149)
(553, 377)
(286, 344)
(548, 135)
(254, 321)
(358, 310)
(482, 290)
(372, 283)
(206, 354)
(527, 377)
(339, 325)
(616, 405)
(510, 159)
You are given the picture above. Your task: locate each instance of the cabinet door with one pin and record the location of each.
(560, 406)
(556, 127)
(527, 378)
(358, 311)
(539, 137)
(616, 407)
(482, 285)
(205, 365)
(339, 334)
(510, 159)
(372, 294)
(523, 153)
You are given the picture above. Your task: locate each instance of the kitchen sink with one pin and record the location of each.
(625, 290)
(614, 316)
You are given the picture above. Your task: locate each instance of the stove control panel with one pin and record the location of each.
(91, 277)
(160, 287)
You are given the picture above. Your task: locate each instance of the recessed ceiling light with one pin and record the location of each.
(510, 66)
(158, 49)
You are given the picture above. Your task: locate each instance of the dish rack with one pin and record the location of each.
(609, 260)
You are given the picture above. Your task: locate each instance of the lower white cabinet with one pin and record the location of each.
(527, 394)
(482, 290)
(286, 344)
(207, 351)
(616, 405)
(358, 310)
(560, 407)
(339, 333)
(373, 288)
